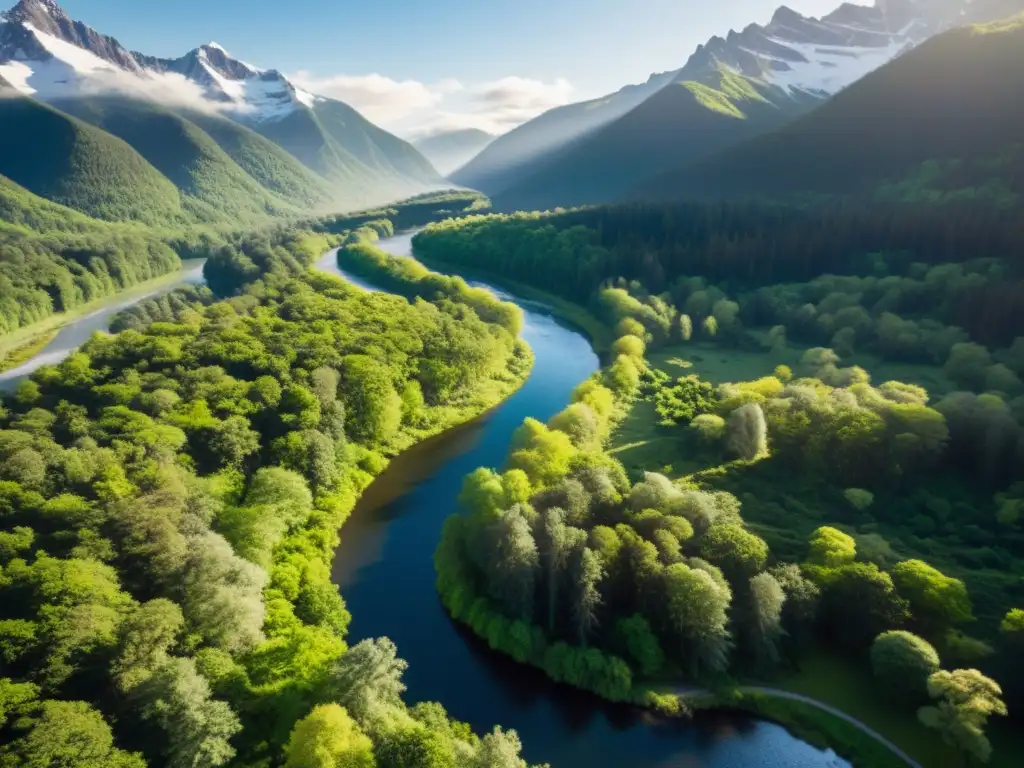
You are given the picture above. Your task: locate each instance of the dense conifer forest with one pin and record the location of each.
(675, 529)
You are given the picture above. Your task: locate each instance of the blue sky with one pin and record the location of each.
(414, 65)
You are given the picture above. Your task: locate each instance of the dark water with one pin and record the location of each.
(385, 570)
(75, 334)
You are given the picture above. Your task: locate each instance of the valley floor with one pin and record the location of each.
(830, 700)
(825, 677)
(21, 345)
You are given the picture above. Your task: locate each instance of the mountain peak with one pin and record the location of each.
(43, 12)
(32, 22)
(821, 56)
(47, 6)
(785, 14)
(62, 57)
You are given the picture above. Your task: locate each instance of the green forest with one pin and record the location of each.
(54, 260)
(117, 157)
(732, 496)
(781, 515)
(801, 459)
(172, 496)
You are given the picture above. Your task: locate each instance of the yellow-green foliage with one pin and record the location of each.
(732, 396)
(664, 703)
(23, 352)
(1011, 24)
(716, 101)
(164, 499)
(736, 86)
(767, 387)
(600, 399)
(630, 345)
(543, 454)
(731, 88)
(623, 377)
(410, 278)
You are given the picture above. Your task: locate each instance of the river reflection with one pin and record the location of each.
(385, 568)
(376, 509)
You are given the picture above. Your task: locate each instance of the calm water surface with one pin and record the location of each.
(385, 570)
(76, 333)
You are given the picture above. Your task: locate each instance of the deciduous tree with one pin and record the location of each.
(328, 738)
(902, 663)
(964, 701)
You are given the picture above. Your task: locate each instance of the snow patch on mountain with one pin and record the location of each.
(828, 70)
(45, 54)
(819, 57)
(250, 92)
(56, 76)
(306, 98)
(56, 69)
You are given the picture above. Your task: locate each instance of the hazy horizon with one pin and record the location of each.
(450, 65)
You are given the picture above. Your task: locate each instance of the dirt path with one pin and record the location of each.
(825, 708)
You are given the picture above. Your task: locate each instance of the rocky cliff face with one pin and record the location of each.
(46, 54)
(819, 57)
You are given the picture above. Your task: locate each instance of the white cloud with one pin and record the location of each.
(511, 101)
(70, 71)
(381, 99)
(417, 109)
(524, 93)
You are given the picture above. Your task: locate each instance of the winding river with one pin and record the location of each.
(77, 332)
(385, 570)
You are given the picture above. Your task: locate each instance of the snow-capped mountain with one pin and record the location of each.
(33, 24)
(203, 108)
(732, 89)
(46, 54)
(819, 57)
(958, 95)
(258, 94)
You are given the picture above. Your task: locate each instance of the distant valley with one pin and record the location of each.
(448, 151)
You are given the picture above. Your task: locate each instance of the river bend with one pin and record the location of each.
(384, 568)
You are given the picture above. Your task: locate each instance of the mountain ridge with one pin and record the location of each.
(952, 99)
(450, 150)
(46, 55)
(685, 117)
(80, 166)
(527, 146)
(184, 153)
(794, 62)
